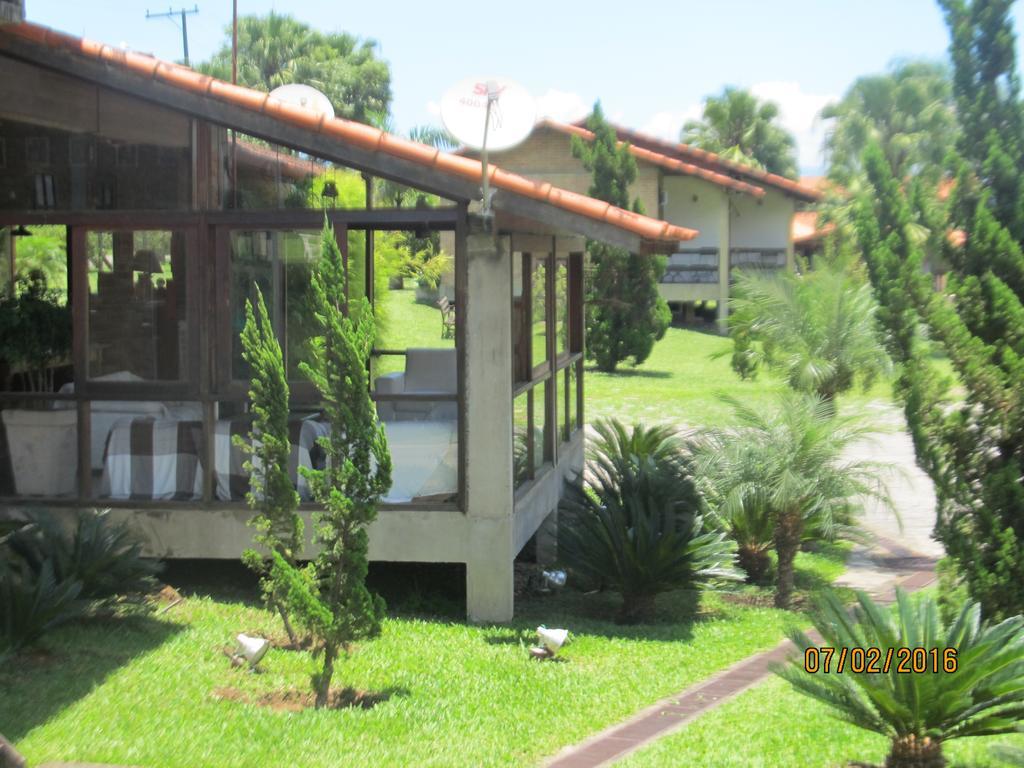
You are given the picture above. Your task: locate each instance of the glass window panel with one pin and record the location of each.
(88, 148)
(541, 450)
(572, 417)
(138, 327)
(39, 455)
(40, 250)
(520, 339)
(538, 311)
(561, 307)
(520, 439)
(148, 450)
(280, 263)
(416, 310)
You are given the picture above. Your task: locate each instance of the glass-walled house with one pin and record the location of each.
(142, 204)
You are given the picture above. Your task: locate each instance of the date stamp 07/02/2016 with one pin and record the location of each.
(880, 660)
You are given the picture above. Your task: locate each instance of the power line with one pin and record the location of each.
(171, 13)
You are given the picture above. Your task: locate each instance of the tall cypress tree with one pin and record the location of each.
(974, 451)
(625, 314)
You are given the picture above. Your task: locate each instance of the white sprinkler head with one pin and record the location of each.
(252, 649)
(552, 639)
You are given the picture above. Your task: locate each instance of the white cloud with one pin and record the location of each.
(798, 114)
(434, 108)
(563, 106)
(667, 124)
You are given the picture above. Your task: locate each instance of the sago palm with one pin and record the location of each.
(974, 689)
(818, 330)
(786, 463)
(634, 524)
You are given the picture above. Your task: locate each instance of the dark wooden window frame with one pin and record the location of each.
(544, 377)
(203, 284)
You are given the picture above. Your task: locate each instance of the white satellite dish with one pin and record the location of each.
(304, 96)
(488, 113)
(464, 111)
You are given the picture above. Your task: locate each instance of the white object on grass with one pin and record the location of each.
(252, 649)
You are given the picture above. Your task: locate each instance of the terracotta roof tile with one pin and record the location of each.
(718, 163)
(347, 131)
(664, 161)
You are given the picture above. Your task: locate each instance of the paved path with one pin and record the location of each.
(897, 556)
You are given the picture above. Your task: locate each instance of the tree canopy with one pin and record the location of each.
(740, 127)
(974, 449)
(625, 314)
(908, 112)
(277, 49)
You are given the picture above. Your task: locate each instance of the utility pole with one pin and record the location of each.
(171, 13)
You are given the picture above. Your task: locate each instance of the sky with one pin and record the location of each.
(651, 64)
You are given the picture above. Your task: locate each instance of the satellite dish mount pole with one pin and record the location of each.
(492, 99)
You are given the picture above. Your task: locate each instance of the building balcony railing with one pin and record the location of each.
(697, 265)
(757, 258)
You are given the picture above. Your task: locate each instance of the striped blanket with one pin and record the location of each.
(233, 480)
(154, 458)
(151, 458)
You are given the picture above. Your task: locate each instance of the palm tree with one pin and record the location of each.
(635, 523)
(786, 464)
(908, 112)
(975, 690)
(277, 49)
(740, 127)
(819, 329)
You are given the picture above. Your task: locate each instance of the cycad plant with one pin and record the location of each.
(973, 683)
(104, 557)
(818, 330)
(784, 468)
(634, 524)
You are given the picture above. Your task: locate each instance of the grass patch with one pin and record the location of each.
(145, 692)
(407, 324)
(681, 380)
(772, 726)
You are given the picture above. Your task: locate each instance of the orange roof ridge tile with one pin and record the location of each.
(363, 136)
(669, 163)
(773, 179)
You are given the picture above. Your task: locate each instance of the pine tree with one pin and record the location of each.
(974, 452)
(625, 314)
(331, 595)
(279, 527)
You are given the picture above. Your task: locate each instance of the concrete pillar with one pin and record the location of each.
(724, 227)
(487, 318)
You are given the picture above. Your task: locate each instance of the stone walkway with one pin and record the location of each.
(898, 556)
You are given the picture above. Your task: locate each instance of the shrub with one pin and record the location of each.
(278, 525)
(32, 602)
(104, 557)
(787, 465)
(330, 597)
(634, 524)
(917, 712)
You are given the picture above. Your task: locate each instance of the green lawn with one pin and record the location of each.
(679, 383)
(772, 726)
(407, 324)
(142, 691)
(681, 380)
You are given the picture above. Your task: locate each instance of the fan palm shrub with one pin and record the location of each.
(818, 330)
(634, 522)
(919, 712)
(783, 470)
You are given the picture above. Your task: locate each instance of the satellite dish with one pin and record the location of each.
(485, 114)
(464, 111)
(304, 96)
